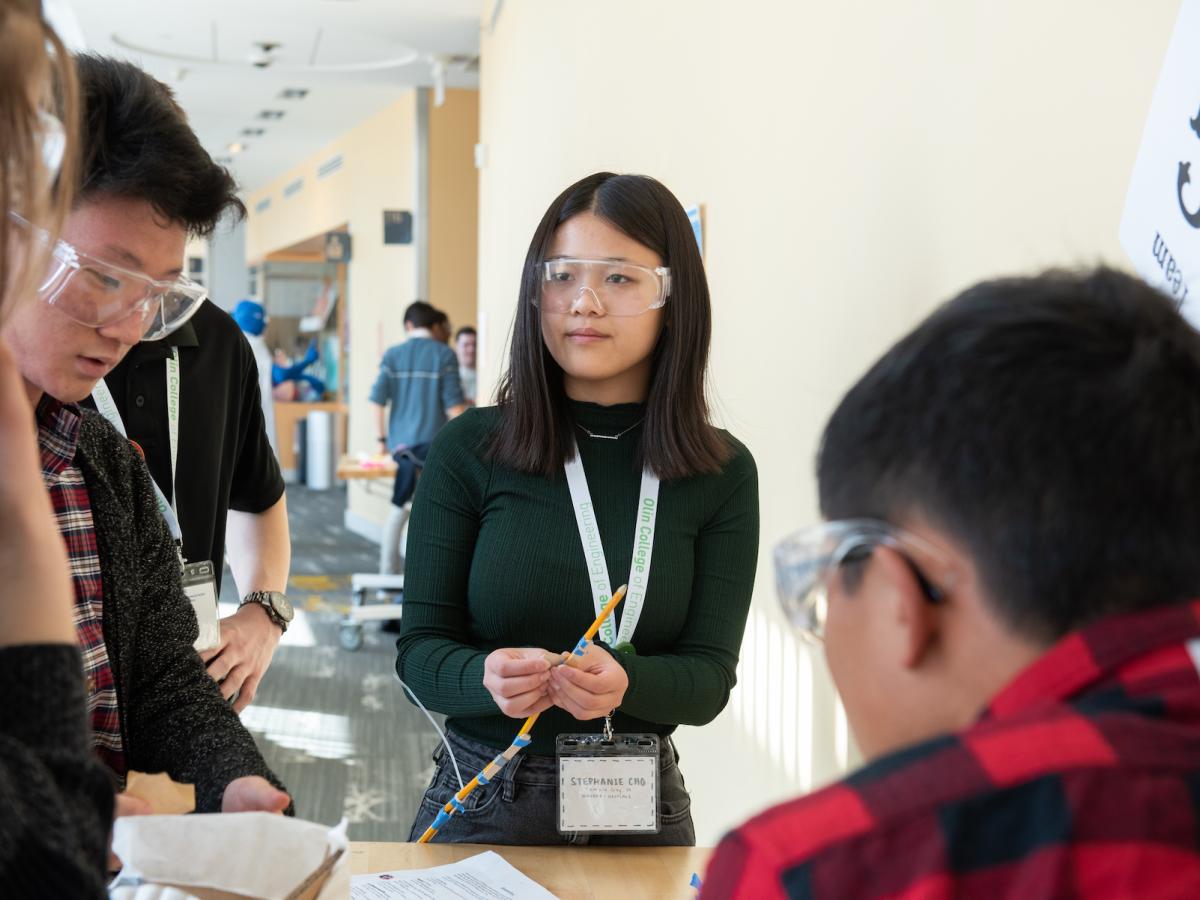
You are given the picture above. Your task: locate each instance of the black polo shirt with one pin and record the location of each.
(225, 460)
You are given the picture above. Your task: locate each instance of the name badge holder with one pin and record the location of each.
(608, 783)
(200, 586)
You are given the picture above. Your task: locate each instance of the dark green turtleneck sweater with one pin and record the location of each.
(494, 560)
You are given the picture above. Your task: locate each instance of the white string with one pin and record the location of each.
(433, 722)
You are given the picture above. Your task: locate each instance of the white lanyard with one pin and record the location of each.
(593, 550)
(108, 408)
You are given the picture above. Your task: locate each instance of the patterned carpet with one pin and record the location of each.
(335, 725)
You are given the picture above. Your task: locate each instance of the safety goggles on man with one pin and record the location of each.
(618, 288)
(97, 293)
(804, 562)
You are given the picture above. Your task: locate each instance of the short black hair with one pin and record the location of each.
(1051, 424)
(137, 144)
(466, 329)
(422, 315)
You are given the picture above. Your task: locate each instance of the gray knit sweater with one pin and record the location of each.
(173, 717)
(55, 794)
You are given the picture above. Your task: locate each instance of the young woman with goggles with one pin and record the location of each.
(529, 514)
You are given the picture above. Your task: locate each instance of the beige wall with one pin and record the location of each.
(378, 173)
(454, 206)
(858, 162)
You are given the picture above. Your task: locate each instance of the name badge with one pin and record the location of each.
(200, 586)
(607, 786)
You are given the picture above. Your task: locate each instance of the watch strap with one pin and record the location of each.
(263, 599)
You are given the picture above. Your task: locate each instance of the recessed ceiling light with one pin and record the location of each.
(236, 147)
(271, 114)
(293, 93)
(224, 160)
(253, 132)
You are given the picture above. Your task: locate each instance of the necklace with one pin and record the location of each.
(611, 437)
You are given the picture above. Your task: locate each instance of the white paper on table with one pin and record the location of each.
(1160, 227)
(486, 876)
(254, 854)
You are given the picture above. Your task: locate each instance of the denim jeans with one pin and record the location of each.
(520, 806)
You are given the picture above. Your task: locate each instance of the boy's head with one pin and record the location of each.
(1032, 451)
(146, 184)
(420, 314)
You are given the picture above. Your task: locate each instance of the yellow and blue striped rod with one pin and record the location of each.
(523, 738)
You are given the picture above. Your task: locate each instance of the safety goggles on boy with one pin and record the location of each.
(619, 288)
(97, 293)
(804, 562)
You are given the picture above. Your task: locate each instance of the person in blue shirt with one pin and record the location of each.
(417, 392)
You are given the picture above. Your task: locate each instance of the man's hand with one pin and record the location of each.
(126, 806)
(516, 677)
(591, 687)
(238, 663)
(252, 793)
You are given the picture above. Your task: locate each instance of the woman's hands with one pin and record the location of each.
(524, 681)
(517, 677)
(589, 687)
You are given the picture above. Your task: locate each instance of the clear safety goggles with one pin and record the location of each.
(805, 561)
(618, 288)
(97, 293)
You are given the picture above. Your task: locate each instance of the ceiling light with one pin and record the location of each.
(235, 148)
(271, 114)
(224, 160)
(253, 132)
(293, 93)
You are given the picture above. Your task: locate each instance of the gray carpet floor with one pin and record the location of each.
(335, 725)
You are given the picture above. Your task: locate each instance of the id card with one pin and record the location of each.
(200, 585)
(607, 786)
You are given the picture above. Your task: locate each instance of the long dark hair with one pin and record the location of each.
(535, 434)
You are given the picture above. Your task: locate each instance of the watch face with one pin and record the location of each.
(282, 606)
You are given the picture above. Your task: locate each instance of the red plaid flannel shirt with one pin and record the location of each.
(1081, 779)
(58, 436)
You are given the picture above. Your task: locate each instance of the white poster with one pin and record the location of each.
(1160, 229)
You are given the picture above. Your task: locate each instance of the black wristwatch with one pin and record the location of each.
(278, 606)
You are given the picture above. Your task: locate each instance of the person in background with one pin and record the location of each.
(416, 392)
(203, 432)
(58, 802)
(152, 705)
(464, 348)
(1008, 590)
(251, 317)
(605, 384)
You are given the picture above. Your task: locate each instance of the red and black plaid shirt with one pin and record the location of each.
(1081, 779)
(58, 436)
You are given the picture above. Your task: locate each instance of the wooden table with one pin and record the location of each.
(380, 467)
(572, 873)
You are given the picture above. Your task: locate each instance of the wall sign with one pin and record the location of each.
(397, 226)
(1160, 229)
(337, 247)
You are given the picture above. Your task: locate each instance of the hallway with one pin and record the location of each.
(335, 725)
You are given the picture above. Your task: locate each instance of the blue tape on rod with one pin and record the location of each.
(457, 804)
(482, 779)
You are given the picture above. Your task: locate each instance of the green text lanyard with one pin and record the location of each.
(593, 550)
